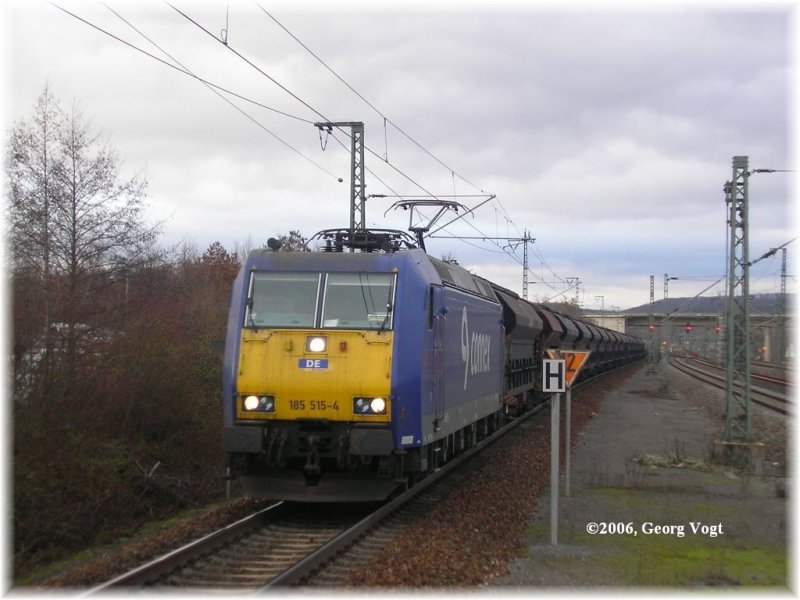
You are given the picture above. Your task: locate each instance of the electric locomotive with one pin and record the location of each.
(346, 374)
(349, 375)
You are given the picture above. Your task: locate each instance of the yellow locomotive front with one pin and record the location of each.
(307, 374)
(313, 379)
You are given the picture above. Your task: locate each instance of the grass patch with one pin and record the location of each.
(93, 552)
(696, 561)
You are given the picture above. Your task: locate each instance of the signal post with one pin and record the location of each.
(558, 373)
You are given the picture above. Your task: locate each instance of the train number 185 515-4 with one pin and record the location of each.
(313, 405)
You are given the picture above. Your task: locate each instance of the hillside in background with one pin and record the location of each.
(764, 304)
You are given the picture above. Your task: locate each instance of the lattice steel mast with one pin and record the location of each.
(653, 343)
(357, 184)
(780, 323)
(738, 418)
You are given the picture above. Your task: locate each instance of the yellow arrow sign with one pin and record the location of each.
(574, 359)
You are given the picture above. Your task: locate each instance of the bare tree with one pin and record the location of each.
(293, 242)
(98, 230)
(241, 250)
(31, 159)
(30, 163)
(75, 222)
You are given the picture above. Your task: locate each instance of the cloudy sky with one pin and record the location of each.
(607, 133)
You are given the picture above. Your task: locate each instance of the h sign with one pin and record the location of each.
(554, 376)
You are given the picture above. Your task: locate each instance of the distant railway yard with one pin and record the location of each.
(483, 522)
(773, 393)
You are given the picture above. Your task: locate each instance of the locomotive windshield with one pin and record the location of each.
(358, 300)
(350, 300)
(282, 300)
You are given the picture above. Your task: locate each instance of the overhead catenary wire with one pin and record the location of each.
(212, 86)
(537, 251)
(395, 194)
(571, 287)
(342, 144)
(217, 88)
(690, 300)
(770, 252)
(482, 234)
(368, 103)
(176, 67)
(293, 95)
(249, 62)
(371, 172)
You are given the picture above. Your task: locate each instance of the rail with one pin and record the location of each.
(774, 400)
(180, 556)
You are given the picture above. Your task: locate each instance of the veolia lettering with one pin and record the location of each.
(475, 350)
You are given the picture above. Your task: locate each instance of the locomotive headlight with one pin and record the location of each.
(316, 343)
(369, 406)
(253, 403)
(378, 406)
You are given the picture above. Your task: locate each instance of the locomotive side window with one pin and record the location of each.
(358, 300)
(282, 300)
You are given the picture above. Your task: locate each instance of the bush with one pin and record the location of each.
(130, 430)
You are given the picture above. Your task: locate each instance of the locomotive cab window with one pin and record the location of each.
(282, 300)
(358, 301)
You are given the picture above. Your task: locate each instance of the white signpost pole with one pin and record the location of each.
(555, 409)
(567, 441)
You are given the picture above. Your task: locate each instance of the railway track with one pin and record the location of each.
(285, 543)
(289, 544)
(775, 400)
(267, 552)
(779, 383)
(245, 554)
(281, 545)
